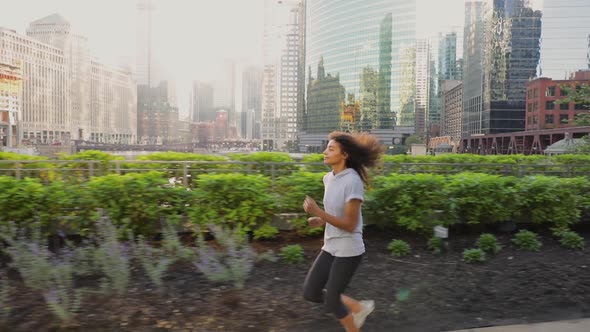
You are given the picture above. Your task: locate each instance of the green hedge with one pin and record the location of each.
(264, 162)
(20, 199)
(411, 201)
(235, 200)
(480, 198)
(138, 202)
(545, 199)
(293, 188)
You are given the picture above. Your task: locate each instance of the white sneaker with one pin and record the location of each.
(367, 308)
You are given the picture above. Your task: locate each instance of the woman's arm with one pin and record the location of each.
(348, 223)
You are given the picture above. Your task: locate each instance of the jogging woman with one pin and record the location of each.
(349, 156)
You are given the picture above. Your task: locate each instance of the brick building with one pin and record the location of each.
(542, 111)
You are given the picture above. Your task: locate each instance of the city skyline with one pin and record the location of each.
(238, 32)
(385, 68)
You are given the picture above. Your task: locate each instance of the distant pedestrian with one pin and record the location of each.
(349, 156)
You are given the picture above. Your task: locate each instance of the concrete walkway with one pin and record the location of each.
(578, 325)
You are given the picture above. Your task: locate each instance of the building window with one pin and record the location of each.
(549, 105)
(550, 92)
(564, 106)
(549, 118)
(578, 106)
(563, 118)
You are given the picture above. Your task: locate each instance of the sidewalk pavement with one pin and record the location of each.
(577, 325)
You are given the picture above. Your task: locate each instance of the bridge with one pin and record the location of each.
(524, 142)
(210, 146)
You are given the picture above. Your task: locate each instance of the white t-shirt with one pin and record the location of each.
(339, 189)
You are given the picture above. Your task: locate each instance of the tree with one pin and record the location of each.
(580, 96)
(583, 147)
(414, 139)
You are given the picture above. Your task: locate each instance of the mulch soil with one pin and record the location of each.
(421, 292)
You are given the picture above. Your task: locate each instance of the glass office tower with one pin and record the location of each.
(564, 38)
(361, 57)
(502, 52)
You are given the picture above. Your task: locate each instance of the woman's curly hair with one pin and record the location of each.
(364, 151)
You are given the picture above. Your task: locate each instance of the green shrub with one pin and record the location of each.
(435, 244)
(265, 163)
(398, 248)
(78, 171)
(292, 254)
(235, 200)
(303, 228)
(72, 208)
(314, 162)
(545, 199)
(572, 240)
(170, 168)
(527, 240)
(488, 243)
(34, 167)
(474, 255)
(406, 200)
(266, 231)
(20, 200)
(480, 198)
(137, 202)
(293, 188)
(268, 256)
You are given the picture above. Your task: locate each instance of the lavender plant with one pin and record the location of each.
(173, 247)
(30, 257)
(153, 261)
(111, 258)
(43, 271)
(62, 297)
(231, 262)
(5, 290)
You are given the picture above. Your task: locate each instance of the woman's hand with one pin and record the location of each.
(316, 222)
(311, 207)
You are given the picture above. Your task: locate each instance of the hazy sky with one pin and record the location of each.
(190, 33)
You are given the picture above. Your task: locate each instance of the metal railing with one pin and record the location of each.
(186, 169)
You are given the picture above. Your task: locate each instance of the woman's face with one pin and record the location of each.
(333, 155)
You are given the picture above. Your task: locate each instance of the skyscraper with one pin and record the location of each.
(403, 84)
(564, 38)
(202, 102)
(252, 97)
(146, 59)
(422, 74)
(473, 57)
(67, 95)
(507, 32)
(55, 30)
(283, 71)
(448, 68)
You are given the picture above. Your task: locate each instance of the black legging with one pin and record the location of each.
(332, 274)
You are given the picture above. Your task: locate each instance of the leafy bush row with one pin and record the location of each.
(138, 201)
(418, 202)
